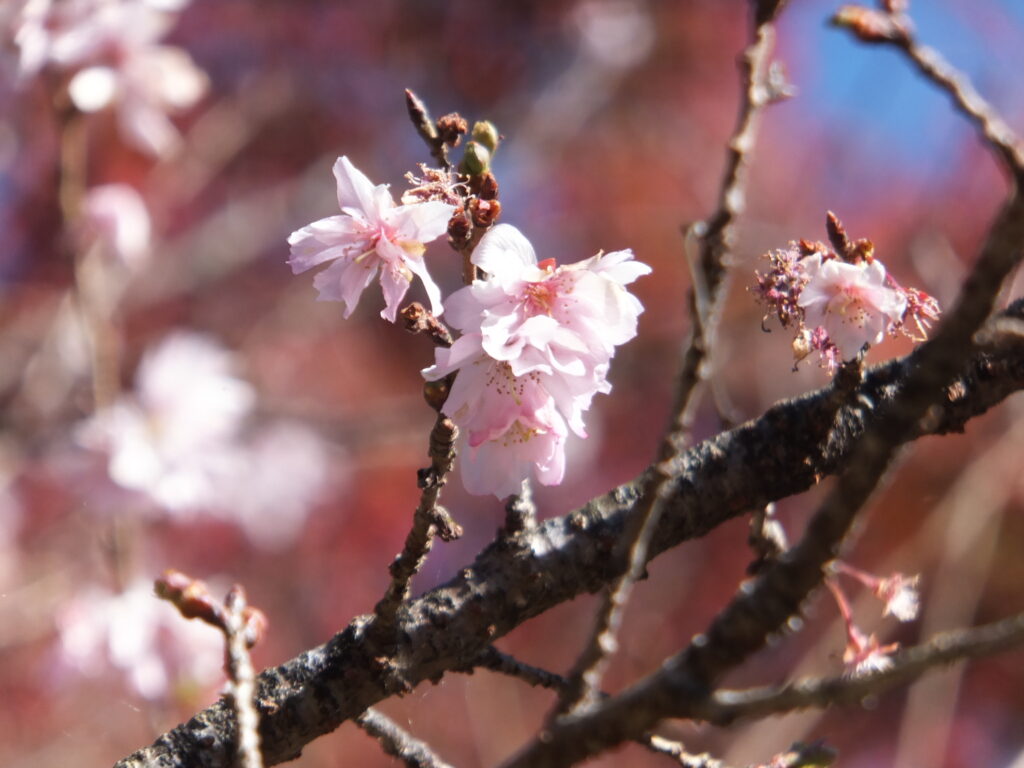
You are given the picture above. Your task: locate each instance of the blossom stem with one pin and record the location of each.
(104, 344)
(429, 520)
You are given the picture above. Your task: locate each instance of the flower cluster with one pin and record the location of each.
(864, 653)
(537, 338)
(536, 345)
(839, 303)
(178, 441)
(137, 635)
(110, 48)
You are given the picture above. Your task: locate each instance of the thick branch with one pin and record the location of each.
(783, 452)
(763, 608)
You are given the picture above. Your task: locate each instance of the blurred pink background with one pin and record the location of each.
(615, 114)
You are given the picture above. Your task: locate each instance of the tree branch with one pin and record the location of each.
(763, 607)
(725, 707)
(781, 453)
(397, 742)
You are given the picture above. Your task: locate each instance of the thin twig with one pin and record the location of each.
(497, 661)
(585, 678)
(707, 244)
(714, 240)
(418, 319)
(895, 28)
(103, 338)
(429, 520)
(427, 129)
(763, 608)
(243, 679)
(726, 706)
(397, 742)
(243, 627)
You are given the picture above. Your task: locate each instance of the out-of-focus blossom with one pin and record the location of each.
(173, 438)
(283, 471)
(181, 440)
(110, 47)
(536, 345)
(900, 595)
(138, 635)
(864, 655)
(371, 234)
(10, 518)
(851, 301)
(115, 217)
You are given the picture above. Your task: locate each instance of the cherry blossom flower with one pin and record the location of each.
(371, 234)
(839, 304)
(509, 423)
(545, 317)
(115, 217)
(851, 301)
(173, 438)
(138, 635)
(180, 442)
(110, 47)
(536, 345)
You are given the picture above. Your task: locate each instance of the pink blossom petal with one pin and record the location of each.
(345, 281)
(331, 238)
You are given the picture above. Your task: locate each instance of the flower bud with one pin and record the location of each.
(459, 227)
(484, 212)
(476, 159)
(484, 186)
(485, 132)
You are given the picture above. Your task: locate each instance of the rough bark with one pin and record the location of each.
(785, 451)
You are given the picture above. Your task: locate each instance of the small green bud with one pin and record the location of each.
(484, 132)
(476, 159)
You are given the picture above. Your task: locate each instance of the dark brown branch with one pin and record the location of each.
(496, 661)
(763, 608)
(397, 742)
(781, 453)
(879, 26)
(725, 707)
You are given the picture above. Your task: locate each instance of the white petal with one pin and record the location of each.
(504, 252)
(422, 222)
(355, 190)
